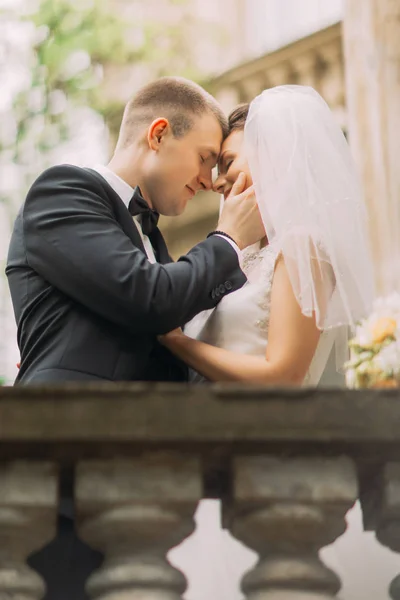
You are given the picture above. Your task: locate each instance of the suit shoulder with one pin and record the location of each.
(64, 173)
(66, 179)
(64, 185)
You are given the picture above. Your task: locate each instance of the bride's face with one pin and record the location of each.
(232, 161)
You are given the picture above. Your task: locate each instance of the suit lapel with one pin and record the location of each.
(125, 219)
(121, 212)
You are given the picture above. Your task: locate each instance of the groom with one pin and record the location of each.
(91, 281)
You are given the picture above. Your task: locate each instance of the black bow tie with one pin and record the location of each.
(139, 206)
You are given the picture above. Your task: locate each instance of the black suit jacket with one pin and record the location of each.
(87, 301)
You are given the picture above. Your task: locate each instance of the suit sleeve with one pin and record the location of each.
(73, 241)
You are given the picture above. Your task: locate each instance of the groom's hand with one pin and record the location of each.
(167, 338)
(240, 218)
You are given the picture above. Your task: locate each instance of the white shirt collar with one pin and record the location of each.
(120, 187)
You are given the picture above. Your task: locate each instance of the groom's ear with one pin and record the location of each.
(158, 129)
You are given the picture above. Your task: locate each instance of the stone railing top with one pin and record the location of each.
(314, 43)
(101, 419)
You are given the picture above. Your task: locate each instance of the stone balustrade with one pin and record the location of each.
(315, 60)
(287, 464)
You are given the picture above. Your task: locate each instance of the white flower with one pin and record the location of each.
(363, 334)
(375, 347)
(388, 306)
(351, 378)
(388, 359)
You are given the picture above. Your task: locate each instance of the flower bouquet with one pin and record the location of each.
(375, 349)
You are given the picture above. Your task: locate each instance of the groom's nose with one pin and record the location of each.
(205, 181)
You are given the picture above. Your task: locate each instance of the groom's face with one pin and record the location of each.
(183, 166)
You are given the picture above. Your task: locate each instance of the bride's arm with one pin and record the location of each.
(292, 341)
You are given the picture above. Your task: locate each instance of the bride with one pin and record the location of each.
(308, 281)
(310, 278)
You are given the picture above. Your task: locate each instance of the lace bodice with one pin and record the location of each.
(240, 321)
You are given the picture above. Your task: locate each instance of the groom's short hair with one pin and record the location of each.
(177, 99)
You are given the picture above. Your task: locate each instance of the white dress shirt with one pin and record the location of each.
(125, 192)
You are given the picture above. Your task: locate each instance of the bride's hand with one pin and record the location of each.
(167, 338)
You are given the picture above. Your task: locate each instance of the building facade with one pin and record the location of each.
(238, 48)
(315, 60)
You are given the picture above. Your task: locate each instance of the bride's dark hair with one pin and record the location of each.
(237, 118)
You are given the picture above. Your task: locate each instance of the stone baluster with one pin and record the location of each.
(305, 66)
(388, 529)
(28, 512)
(332, 85)
(254, 85)
(281, 74)
(134, 511)
(286, 510)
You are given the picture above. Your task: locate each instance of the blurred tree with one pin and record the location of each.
(68, 45)
(52, 59)
(65, 47)
(58, 58)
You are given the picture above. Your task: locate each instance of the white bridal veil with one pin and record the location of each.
(311, 204)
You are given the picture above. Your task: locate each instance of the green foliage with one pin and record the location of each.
(71, 44)
(76, 26)
(170, 48)
(88, 29)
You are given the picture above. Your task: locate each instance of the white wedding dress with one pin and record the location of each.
(240, 322)
(212, 560)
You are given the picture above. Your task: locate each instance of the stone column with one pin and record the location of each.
(286, 510)
(281, 74)
(254, 85)
(305, 66)
(135, 511)
(372, 62)
(331, 84)
(388, 530)
(28, 513)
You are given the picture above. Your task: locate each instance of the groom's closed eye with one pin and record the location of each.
(210, 160)
(210, 156)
